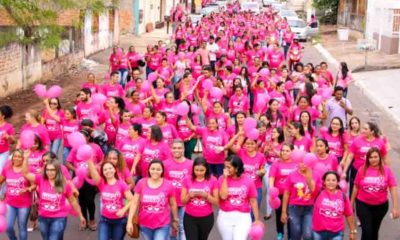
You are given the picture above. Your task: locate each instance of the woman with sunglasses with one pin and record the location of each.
(52, 118)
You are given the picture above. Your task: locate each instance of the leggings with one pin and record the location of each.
(87, 193)
(279, 225)
(371, 217)
(233, 225)
(198, 228)
(189, 147)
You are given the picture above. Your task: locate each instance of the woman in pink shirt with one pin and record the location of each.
(112, 88)
(115, 157)
(216, 111)
(6, 134)
(275, 117)
(69, 125)
(130, 146)
(113, 194)
(344, 77)
(237, 198)
(309, 130)
(238, 102)
(123, 127)
(155, 202)
(331, 207)
(91, 83)
(373, 180)
(300, 141)
(353, 131)
(336, 138)
(53, 193)
(278, 175)
(324, 156)
(52, 118)
(18, 196)
(298, 201)
(33, 119)
(199, 194)
(168, 130)
(147, 120)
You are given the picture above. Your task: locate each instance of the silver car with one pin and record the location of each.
(302, 30)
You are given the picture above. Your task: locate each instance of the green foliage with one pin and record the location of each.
(328, 10)
(36, 20)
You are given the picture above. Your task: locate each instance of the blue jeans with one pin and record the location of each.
(326, 235)
(181, 231)
(3, 160)
(66, 152)
(114, 229)
(217, 169)
(259, 199)
(300, 222)
(52, 228)
(123, 76)
(55, 145)
(21, 214)
(161, 233)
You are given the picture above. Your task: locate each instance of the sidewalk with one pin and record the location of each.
(140, 42)
(348, 52)
(380, 85)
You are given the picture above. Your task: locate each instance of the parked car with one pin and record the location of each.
(250, 6)
(213, 7)
(302, 30)
(288, 14)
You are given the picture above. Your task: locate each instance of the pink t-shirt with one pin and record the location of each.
(295, 115)
(122, 132)
(130, 148)
(373, 186)
(8, 129)
(182, 128)
(252, 165)
(360, 147)
(330, 210)
(87, 111)
(154, 210)
(222, 119)
(16, 183)
(69, 127)
(176, 172)
(35, 161)
(114, 90)
(198, 206)
(280, 171)
(330, 162)
(212, 140)
(169, 133)
(146, 124)
(240, 190)
(39, 130)
(336, 143)
(53, 127)
(94, 87)
(298, 189)
(153, 151)
(52, 203)
(303, 144)
(112, 198)
(237, 103)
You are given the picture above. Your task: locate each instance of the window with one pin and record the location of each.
(396, 21)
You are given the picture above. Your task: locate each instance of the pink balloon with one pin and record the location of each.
(145, 86)
(27, 139)
(106, 76)
(78, 182)
(275, 203)
(195, 108)
(76, 139)
(81, 172)
(182, 109)
(310, 159)
(40, 90)
(253, 134)
(289, 85)
(256, 232)
(316, 100)
(327, 93)
(207, 84)
(216, 92)
(3, 208)
(250, 123)
(297, 155)
(54, 91)
(264, 72)
(343, 185)
(84, 152)
(3, 224)
(152, 77)
(273, 192)
(99, 98)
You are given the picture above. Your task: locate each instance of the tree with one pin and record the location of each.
(328, 10)
(36, 20)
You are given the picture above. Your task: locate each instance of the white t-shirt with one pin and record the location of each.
(213, 48)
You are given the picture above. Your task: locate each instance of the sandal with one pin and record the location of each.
(83, 227)
(92, 226)
(33, 227)
(267, 217)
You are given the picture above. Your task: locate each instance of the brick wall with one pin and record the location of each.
(9, 56)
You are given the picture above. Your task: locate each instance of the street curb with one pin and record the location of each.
(363, 88)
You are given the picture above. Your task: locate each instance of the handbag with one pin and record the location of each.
(34, 214)
(199, 147)
(135, 227)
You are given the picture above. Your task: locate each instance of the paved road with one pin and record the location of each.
(364, 108)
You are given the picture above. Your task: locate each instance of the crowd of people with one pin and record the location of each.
(217, 123)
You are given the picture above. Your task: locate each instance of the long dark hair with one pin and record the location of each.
(299, 126)
(281, 137)
(367, 163)
(310, 129)
(341, 129)
(156, 161)
(268, 114)
(344, 69)
(332, 173)
(236, 123)
(237, 163)
(200, 161)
